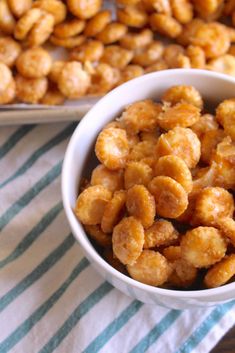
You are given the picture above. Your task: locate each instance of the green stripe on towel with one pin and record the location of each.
(14, 139)
(207, 325)
(61, 136)
(153, 335)
(24, 200)
(32, 320)
(77, 314)
(33, 234)
(33, 276)
(103, 338)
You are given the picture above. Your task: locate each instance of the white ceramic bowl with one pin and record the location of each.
(79, 160)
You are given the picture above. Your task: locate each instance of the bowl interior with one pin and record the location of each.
(80, 158)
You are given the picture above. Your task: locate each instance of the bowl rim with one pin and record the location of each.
(77, 228)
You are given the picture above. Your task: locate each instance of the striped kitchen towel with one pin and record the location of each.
(51, 299)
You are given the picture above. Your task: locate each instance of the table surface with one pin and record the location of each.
(227, 344)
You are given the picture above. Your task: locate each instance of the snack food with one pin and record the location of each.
(150, 268)
(141, 205)
(69, 28)
(55, 7)
(30, 90)
(73, 80)
(34, 63)
(116, 56)
(128, 240)
(18, 8)
(9, 51)
(119, 40)
(155, 203)
(84, 9)
(88, 51)
(181, 142)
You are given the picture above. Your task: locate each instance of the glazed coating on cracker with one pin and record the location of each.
(174, 167)
(141, 116)
(140, 203)
(113, 211)
(110, 179)
(212, 204)
(112, 148)
(128, 240)
(91, 203)
(184, 274)
(34, 63)
(103, 78)
(55, 7)
(9, 51)
(181, 142)
(5, 77)
(30, 90)
(84, 9)
(203, 246)
(150, 268)
(183, 94)
(137, 172)
(170, 197)
(73, 80)
(221, 272)
(167, 170)
(116, 57)
(97, 235)
(161, 233)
